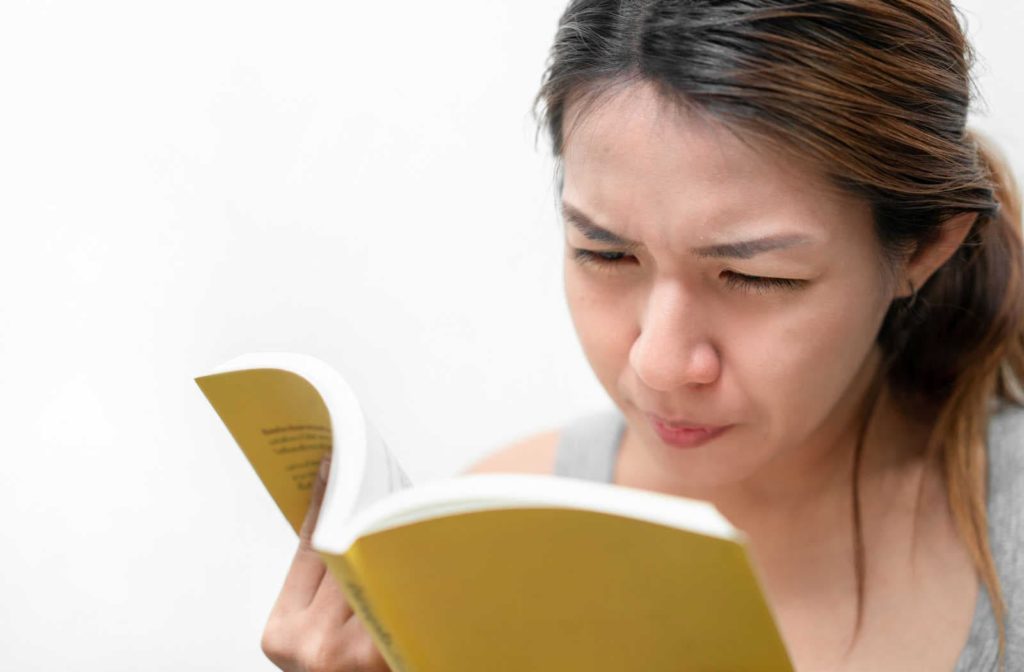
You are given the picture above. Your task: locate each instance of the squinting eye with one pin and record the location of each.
(753, 283)
(733, 280)
(595, 258)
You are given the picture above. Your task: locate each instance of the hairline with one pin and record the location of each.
(587, 94)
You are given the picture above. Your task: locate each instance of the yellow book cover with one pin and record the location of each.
(497, 572)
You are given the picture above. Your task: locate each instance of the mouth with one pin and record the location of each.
(685, 434)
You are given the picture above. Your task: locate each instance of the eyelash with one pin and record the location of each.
(733, 279)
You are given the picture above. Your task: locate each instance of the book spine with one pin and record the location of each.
(354, 589)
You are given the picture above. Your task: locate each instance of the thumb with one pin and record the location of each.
(317, 498)
(307, 569)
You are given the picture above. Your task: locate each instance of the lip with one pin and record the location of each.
(684, 435)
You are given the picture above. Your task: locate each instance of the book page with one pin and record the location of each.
(383, 474)
(281, 424)
(286, 411)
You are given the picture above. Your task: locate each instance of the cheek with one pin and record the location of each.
(604, 326)
(795, 367)
(786, 363)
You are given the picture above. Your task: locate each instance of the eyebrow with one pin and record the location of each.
(744, 249)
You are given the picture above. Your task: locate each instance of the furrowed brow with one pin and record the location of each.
(592, 231)
(744, 249)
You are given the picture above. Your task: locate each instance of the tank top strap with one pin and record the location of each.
(588, 446)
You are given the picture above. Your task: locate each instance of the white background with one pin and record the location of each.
(183, 182)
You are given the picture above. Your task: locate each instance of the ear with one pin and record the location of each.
(924, 262)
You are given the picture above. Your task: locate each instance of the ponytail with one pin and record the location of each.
(1008, 235)
(976, 302)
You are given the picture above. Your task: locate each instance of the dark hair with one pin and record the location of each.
(876, 94)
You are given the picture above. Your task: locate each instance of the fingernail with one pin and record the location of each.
(325, 467)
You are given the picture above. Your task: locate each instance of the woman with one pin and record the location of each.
(799, 278)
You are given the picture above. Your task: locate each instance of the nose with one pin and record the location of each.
(674, 348)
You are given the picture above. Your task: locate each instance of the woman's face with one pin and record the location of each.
(750, 297)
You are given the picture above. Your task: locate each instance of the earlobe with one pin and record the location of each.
(924, 262)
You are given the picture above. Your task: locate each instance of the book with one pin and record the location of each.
(496, 572)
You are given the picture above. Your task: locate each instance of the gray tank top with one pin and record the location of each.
(588, 448)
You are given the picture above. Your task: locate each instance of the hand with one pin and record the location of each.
(311, 627)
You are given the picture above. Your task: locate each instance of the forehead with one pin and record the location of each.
(642, 163)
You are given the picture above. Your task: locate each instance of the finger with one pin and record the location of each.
(307, 568)
(361, 652)
(315, 500)
(329, 601)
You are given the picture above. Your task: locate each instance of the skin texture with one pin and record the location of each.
(787, 367)
(671, 333)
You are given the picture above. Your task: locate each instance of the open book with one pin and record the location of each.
(497, 572)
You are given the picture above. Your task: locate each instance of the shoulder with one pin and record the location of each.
(585, 447)
(533, 454)
(1006, 428)
(1006, 454)
(1006, 509)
